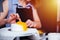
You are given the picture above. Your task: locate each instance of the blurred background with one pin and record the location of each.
(48, 15)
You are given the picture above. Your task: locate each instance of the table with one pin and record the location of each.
(5, 34)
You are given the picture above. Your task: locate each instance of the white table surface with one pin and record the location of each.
(54, 36)
(5, 33)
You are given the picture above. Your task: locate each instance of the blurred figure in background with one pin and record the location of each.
(3, 20)
(4, 14)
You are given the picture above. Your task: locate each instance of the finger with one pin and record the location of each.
(27, 22)
(13, 21)
(18, 17)
(31, 25)
(12, 15)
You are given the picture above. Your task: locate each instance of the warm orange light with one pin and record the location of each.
(58, 1)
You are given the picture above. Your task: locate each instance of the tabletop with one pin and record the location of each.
(6, 32)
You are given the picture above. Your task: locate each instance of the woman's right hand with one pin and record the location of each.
(12, 18)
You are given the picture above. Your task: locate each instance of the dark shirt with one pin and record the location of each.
(25, 13)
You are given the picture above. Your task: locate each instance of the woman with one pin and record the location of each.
(33, 21)
(28, 13)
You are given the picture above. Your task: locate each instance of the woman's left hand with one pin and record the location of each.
(31, 23)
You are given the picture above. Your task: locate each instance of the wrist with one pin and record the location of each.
(6, 20)
(36, 24)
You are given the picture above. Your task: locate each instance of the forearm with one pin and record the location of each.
(36, 19)
(2, 18)
(3, 15)
(3, 21)
(5, 9)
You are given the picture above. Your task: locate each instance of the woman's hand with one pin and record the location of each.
(12, 18)
(33, 24)
(29, 23)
